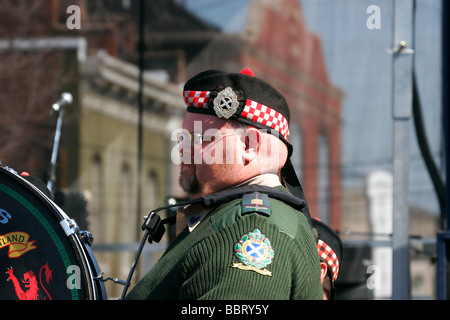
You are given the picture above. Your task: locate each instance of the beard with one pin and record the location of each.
(188, 181)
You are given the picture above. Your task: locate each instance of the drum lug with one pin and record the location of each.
(115, 280)
(69, 226)
(87, 236)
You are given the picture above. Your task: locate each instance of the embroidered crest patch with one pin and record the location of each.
(255, 252)
(226, 103)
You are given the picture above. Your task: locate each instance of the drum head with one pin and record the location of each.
(40, 257)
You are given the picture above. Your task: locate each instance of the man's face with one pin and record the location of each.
(207, 167)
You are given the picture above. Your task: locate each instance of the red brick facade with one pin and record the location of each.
(32, 76)
(290, 56)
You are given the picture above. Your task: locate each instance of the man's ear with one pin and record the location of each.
(323, 270)
(252, 141)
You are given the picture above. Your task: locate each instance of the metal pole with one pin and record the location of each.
(66, 98)
(55, 152)
(141, 49)
(446, 101)
(443, 237)
(402, 72)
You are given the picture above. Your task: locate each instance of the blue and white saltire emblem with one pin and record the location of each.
(255, 252)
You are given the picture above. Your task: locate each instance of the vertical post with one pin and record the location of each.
(446, 102)
(402, 72)
(52, 179)
(443, 237)
(141, 50)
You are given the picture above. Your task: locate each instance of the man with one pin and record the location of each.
(330, 248)
(248, 238)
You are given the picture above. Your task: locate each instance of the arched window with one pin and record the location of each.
(323, 179)
(127, 216)
(150, 193)
(127, 212)
(296, 141)
(96, 201)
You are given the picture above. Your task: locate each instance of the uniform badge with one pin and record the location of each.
(226, 103)
(255, 202)
(255, 252)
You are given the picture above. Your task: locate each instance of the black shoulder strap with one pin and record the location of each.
(293, 185)
(227, 195)
(234, 193)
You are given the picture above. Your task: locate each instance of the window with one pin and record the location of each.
(323, 179)
(149, 194)
(96, 195)
(296, 141)
(127, 213)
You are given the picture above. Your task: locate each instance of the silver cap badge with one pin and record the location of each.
(226, 103)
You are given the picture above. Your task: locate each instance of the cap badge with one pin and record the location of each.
(255, 252)
(226, 103)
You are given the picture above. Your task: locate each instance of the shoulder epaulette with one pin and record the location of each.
(255, 202)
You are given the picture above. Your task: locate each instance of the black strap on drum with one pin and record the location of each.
(154, 225)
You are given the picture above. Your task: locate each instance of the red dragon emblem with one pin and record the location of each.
(31, 284)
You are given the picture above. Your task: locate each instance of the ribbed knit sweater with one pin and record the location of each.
(199, 264)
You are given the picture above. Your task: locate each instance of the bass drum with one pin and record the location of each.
(42, 252)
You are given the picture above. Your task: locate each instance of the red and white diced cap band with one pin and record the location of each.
(271, 118)
(197, 99)
(330, 257)
(253, 111)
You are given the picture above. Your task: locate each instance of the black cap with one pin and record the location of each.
(241, 97)
(329, 246)
(248, 99)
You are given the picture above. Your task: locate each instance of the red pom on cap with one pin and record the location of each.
(248, 72)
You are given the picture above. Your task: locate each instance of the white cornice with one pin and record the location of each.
(125, 75)
(128, 114)
(23, 44)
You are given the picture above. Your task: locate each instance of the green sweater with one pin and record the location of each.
(216, 260)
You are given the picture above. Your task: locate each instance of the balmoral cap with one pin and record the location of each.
(245, 98)
(329, 246)
(238, 96)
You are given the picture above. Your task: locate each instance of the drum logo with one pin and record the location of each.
(31, 283)
(18, 243)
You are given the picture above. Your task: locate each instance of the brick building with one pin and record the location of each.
(294, 63)
(40, 59)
